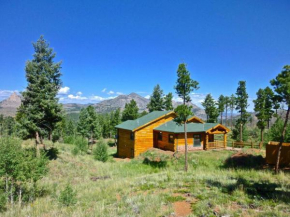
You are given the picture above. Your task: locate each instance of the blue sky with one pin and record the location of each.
(114, 47)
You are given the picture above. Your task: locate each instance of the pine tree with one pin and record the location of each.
(184, 86)
(210, 109)
(282, 89)
(131, 111)
(94, 127)
(88, 125)
(260, 109)
(115, 119)
(269, 94)
(241, 106)
(39, 111)
(232, 102)
(227, 105)
(156, 100)
(83, 127)
(221, 106)
(168, 102)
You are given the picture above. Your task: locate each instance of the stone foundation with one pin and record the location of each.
(189, 148)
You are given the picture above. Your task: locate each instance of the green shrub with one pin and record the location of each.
(69, 140)
(101, 151)
(67, 197)
(3, 201)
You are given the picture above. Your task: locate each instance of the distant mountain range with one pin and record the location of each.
(9, 106)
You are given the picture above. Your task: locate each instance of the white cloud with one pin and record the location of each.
(177, 99)
(197, 98)
(63, 91)
(111, 92)
(99, 98)
(79, 93)
(104, 90)
(147, 97)
(119, 93)
(77, 97)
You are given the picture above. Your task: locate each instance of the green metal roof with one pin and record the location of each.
(133, 124)
(173, 127)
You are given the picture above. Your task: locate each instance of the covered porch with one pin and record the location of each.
(216, 137)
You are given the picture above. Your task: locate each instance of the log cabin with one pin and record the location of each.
(159, 130)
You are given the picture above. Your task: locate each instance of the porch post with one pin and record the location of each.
(225, 140)
(206, 142)
(176, 136)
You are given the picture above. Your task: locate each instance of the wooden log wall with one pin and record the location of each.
(125, 144)
(144, 136)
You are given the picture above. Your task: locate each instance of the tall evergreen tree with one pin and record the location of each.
(156, 100)
(131, 111)
(88, 125)
(281, 86)
(168, 102)
(39, 111)
(83, 127)
(260, 109)
(221, 106)
(241, 106)
(210, 109)
(115, 119)
(227, 105)
(269, 94)
(232, 102)
(184, 86)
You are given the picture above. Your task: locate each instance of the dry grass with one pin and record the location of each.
(137, 188)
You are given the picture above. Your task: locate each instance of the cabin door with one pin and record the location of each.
(155, 139)
(196, 140)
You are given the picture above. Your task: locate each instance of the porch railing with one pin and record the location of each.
(216, 144)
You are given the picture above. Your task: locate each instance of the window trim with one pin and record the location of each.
(172, 142)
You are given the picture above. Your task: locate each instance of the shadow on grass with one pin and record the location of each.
(155, 163)
(260, 190)
(244, 161)
(51, 153)
(112, 144)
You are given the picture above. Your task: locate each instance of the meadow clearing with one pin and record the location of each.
(154, 184)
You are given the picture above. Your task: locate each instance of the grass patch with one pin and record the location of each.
(137, 188)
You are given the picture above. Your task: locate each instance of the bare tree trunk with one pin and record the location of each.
(185, 138)
(37, 144)
(11, 193)
(226, 116)
(281, 141)
(221, 118)
(50, 136)
(20, 196)
(241, 133)
(262, 135)
(7, 187)
(231, 119)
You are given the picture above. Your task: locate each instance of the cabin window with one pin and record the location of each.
(196, 140)
(132, 136)
(160, 136)
(171, 138)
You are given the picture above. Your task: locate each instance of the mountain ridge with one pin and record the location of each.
(8, 107)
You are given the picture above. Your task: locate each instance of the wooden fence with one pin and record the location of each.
(271, 153)
(246, 144)
(216, 144)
